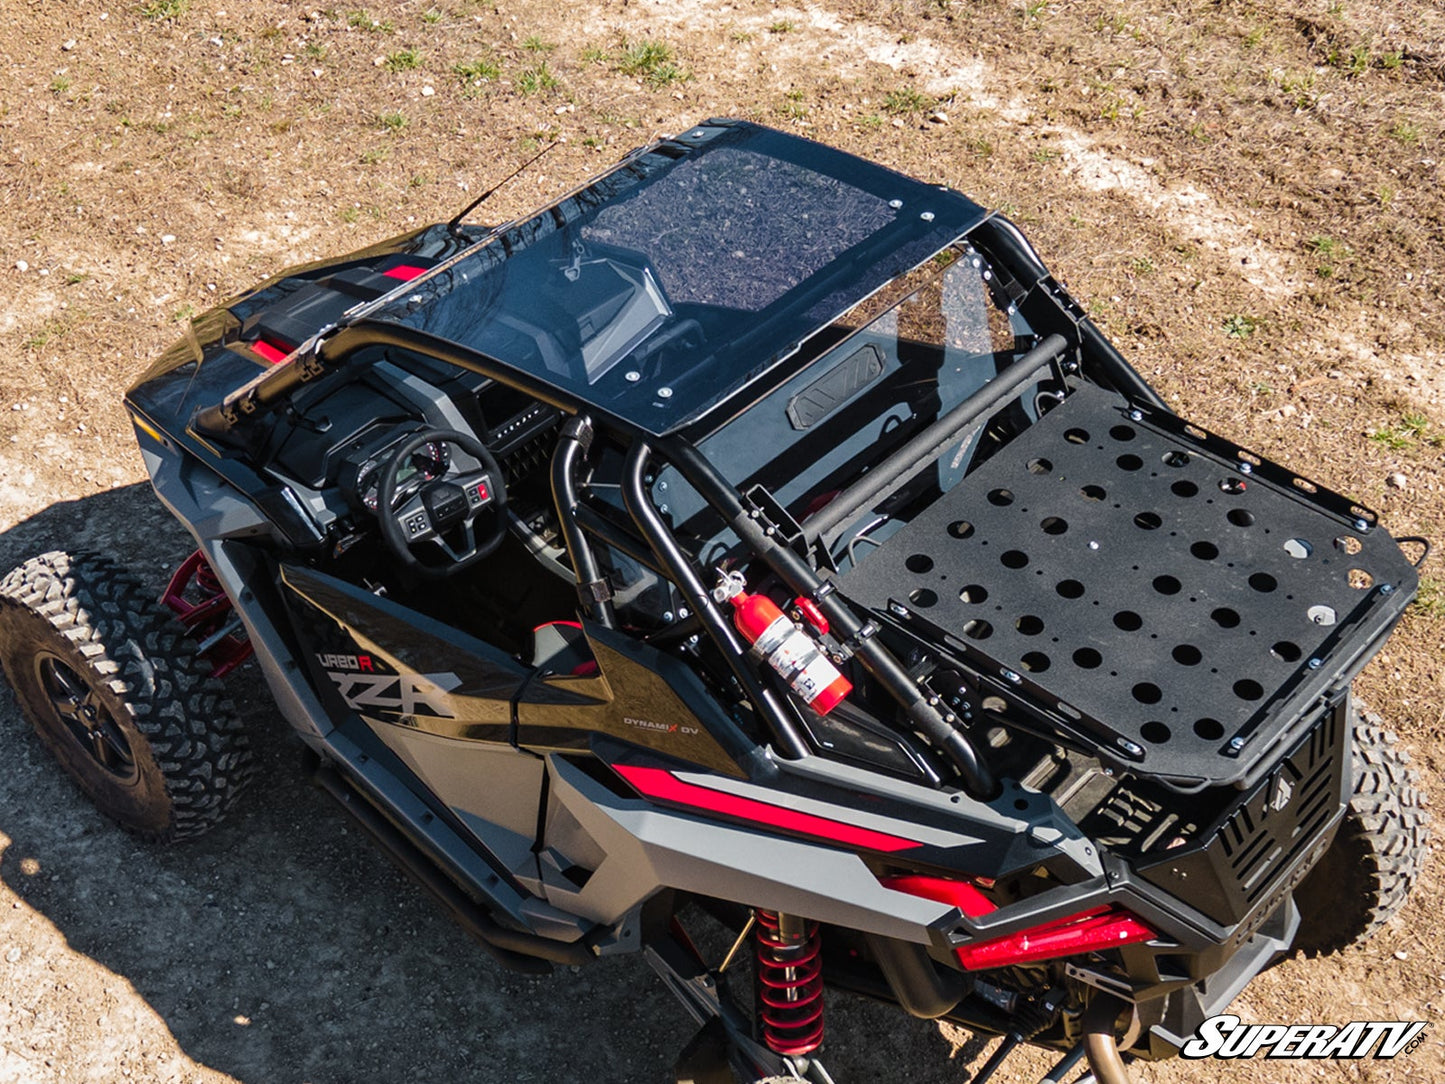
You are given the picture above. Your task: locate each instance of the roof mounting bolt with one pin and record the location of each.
(895, 203)
(1245, 468)
(1131, 748)
(927, 216)
(1093, 545)
(950, 718)
(1069, 366)
(898, 609)
(1387, 588)
(1315, 664)
(662, 508)
(661, 486)
(1236, 744)
(667, 617)
(1009, 675)
(632, 376)
(1361, 525)
(664, 393)
(683, 611)
(1136, 415)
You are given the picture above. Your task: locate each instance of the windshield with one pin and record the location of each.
(673, 281)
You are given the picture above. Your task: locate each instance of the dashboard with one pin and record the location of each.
(344, 430)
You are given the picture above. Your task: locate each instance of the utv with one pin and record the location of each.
(756, 539)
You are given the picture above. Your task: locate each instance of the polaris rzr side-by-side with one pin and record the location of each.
(756, 548)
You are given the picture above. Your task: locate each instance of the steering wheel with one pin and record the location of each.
(445, 511)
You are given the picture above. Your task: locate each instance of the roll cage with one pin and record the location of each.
(797, 554)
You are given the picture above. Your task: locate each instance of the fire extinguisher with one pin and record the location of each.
(788, 650)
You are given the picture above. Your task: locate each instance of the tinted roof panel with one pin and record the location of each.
(678, 278)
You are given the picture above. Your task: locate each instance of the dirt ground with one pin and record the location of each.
(1249, 196)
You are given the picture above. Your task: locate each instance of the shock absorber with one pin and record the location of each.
(789, 983)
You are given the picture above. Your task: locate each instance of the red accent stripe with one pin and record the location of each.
(405, 272)
(664, 786)
(961, 894)
(269, 351)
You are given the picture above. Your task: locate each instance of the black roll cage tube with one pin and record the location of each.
(801, 579)
(928, 445)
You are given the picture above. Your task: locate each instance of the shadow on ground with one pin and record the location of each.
(282, 947)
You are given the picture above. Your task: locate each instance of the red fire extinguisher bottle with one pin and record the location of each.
(789, 651)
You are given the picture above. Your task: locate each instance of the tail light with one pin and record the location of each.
(1088, 931)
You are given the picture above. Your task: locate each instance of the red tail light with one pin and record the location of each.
(1088, 931)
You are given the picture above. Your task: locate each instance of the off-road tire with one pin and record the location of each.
(1376, 857)
(114, 689)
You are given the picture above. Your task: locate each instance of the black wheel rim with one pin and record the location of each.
(77, 708)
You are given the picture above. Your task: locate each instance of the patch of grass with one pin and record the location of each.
(782, 26)
(431, 17)
(1033, 10)
(1240, 326)
(314, 50)
(59, 85)
(1255, 38)
(871, 120)
(906, 100)
(73, 278)
(1141, 265)
(57, 327)
(740, 36)
(792, 106)
(1330, 253)
(1406, 433)
(374, 156)
(1405, 133)
(403, 60)
(533, 43)
(419, 180)
(476, 72)
(391, 122)
(536, 79)
(654, 61)
(350, 214)
(360, 19)
(1298, 85)
(593, 55)
(165, 9)
(1431, 599)
(1044, 154)
(185, 312)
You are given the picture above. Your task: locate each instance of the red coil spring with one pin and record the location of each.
(790, 986)
(207, 581)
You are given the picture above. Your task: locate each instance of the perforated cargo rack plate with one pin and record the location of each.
(1163, 591)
